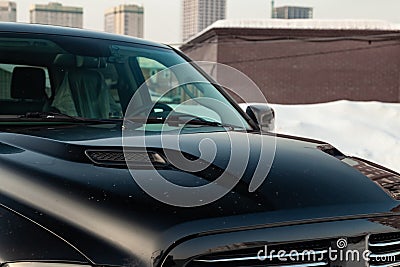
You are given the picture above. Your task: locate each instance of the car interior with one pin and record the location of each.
(39, 76)
(97, 80)
(65, 83)
(28, 91)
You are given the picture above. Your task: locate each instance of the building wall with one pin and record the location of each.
(299, 72)
(293, 12)
(57, 14)
(210, 11)
(109, 21)
(199, 14)
(125, 19)
(205, 53)
(190, 20)
(8, 11)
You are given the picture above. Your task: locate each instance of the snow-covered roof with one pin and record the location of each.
(312, 24)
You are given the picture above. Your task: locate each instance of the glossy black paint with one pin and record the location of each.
(64, 31)
(20, 236)
(304, 184)
(58, 205)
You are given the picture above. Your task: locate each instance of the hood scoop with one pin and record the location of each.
(331, 150)
(131, 158)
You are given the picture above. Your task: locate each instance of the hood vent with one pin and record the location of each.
(313, 253)
(136, 158)
(330, 150)
(385, 250)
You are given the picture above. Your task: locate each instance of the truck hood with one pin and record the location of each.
(47, 177)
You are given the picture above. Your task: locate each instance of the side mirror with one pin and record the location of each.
(263, 115)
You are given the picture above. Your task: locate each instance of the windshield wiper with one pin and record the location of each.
(54, 116)
(177, 119)
(49, 115)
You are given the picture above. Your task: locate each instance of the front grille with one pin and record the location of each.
(385, 250)
(308, 254)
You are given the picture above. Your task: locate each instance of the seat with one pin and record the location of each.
(28, 90)
(83, 93)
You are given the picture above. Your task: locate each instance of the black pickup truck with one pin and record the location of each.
(89, 175)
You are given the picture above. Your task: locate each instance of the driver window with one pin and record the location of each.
(164, 88)
(158, 79)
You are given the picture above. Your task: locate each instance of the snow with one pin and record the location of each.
(315, 24)
(370, 130)
(312, 24)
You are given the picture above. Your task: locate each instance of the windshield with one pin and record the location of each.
(62, 78)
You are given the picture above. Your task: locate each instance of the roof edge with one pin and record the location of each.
(297, 24)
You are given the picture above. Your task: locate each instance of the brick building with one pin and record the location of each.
(307, 61)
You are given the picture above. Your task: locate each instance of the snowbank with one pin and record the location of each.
(370, 130)
(304, 24)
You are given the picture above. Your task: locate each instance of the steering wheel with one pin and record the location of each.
(166, 109)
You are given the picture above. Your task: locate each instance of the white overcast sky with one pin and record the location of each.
(163, 17)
